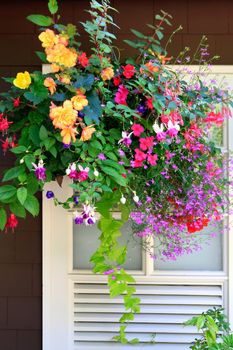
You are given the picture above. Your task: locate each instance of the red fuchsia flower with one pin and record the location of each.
(198, 224)
(16, 102)
(152, 159)
(116, 80)
(4, 124)
(83, 60)
(137, 129)
(192, 133)
(216, 118)
(149, 103)
(5, 145)
(121, 95)
(12, 222)
(128, 71)
(146, 143)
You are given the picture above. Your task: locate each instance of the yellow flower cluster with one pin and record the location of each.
(64, 117)
(22, 80)
(57, 51)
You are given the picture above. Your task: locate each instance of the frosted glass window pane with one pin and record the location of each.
(85, 243)
(209, 258)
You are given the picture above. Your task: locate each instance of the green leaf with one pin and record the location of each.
(32, 205)
(43, 133)
(138, 34)
(34, 134)
(53, 6)
(17, 209)
(3, 218)
(22, 194)
(29, 159)
(42, 56)
(114, 174)
(7, 192)
(18, 149)
(13, 173)
(40, 20)
(53, 151)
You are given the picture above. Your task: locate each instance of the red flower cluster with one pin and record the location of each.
(128, 71)
(121, 95)
(83, 60)
(198, 224)
(216, 118)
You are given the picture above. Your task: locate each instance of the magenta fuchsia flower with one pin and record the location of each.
(126, 140)
(40, 170)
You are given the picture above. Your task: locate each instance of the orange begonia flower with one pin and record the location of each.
(107, 73)
(68, 134)
(61, 55)
(50, 84)
(48, 38)
(63, 116)
(79, 101)
(87, 133)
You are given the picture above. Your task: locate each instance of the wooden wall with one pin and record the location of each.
(20, 252)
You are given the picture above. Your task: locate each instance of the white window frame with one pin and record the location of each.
(57, 265)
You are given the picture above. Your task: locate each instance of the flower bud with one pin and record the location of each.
(123, 200)
(96, 173)
(135, 198)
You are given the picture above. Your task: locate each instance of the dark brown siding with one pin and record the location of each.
(20, 252)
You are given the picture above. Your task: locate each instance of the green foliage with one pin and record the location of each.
(213, 325)
(53, 6)
(40, 20)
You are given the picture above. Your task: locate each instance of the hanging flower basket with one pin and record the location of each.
(133, 136)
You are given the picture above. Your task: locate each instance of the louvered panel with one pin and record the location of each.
(164, 308)
(104, 346)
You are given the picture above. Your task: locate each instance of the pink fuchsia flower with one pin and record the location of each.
(71, 171)
(82, 174)
(146, 143)
(121, 95)
(126, 140)
(161, 136)
(128, 71)
(152, 159)
(40, 170)
(137, 129)
(83, 60)
(88, 214)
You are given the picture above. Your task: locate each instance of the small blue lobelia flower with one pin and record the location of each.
(49, 194)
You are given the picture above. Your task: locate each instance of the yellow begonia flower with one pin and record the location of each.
(79, 101)
(87, 133)
(22, 80)
(50, 84)
(48, 38)
(107, 73)
(63, 116)
(61, 55)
